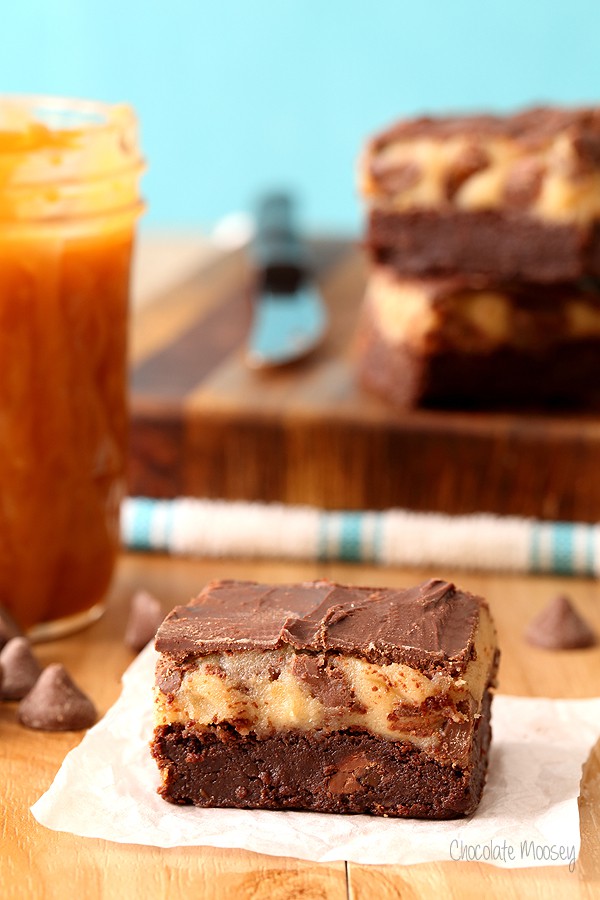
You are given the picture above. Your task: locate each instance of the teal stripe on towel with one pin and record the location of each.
(351, 536)
(562, 548)
(141, 524)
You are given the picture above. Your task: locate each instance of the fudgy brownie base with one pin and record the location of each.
(503, 245)
(333, 772)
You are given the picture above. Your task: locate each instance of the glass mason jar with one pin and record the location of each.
(69, 202)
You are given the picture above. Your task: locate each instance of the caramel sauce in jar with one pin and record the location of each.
(69, 202)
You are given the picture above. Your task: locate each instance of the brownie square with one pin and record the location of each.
(326, 697)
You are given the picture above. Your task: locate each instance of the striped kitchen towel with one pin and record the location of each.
(212, 528)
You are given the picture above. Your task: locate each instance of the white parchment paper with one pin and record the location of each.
(106, 788)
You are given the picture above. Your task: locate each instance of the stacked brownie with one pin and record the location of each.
(483, 235)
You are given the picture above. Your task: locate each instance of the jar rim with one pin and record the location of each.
(76, 113)
(66, 157)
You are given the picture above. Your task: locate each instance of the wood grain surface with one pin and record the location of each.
(38, 863)
(205, 425)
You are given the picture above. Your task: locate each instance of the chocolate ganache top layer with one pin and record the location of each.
(430, 627)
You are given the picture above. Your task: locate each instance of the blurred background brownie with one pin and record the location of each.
(451, 341)
(515, 197)
(483, 234)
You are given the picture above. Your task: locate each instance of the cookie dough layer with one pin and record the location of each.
(436, 314)
(545, 161)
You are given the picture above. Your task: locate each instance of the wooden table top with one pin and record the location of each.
(36, 862)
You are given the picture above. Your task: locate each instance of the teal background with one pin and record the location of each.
(235, 97)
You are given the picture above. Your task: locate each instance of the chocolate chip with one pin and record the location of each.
(397, 178)
(8, 627)
(472, 160)
(145, 615)
(327, 684)
(168, 676)
(350, 774)
(523, 183)
(55, 703)
(344, 783)
(20, 668)
(559, 627)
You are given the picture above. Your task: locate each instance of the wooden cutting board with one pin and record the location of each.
(204, 425)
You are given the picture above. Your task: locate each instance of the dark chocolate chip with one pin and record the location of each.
(471, 161)
(523, 183)
(559, 627)
(145, 616)
(21, 669)
(55, 703)
(8, 627)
